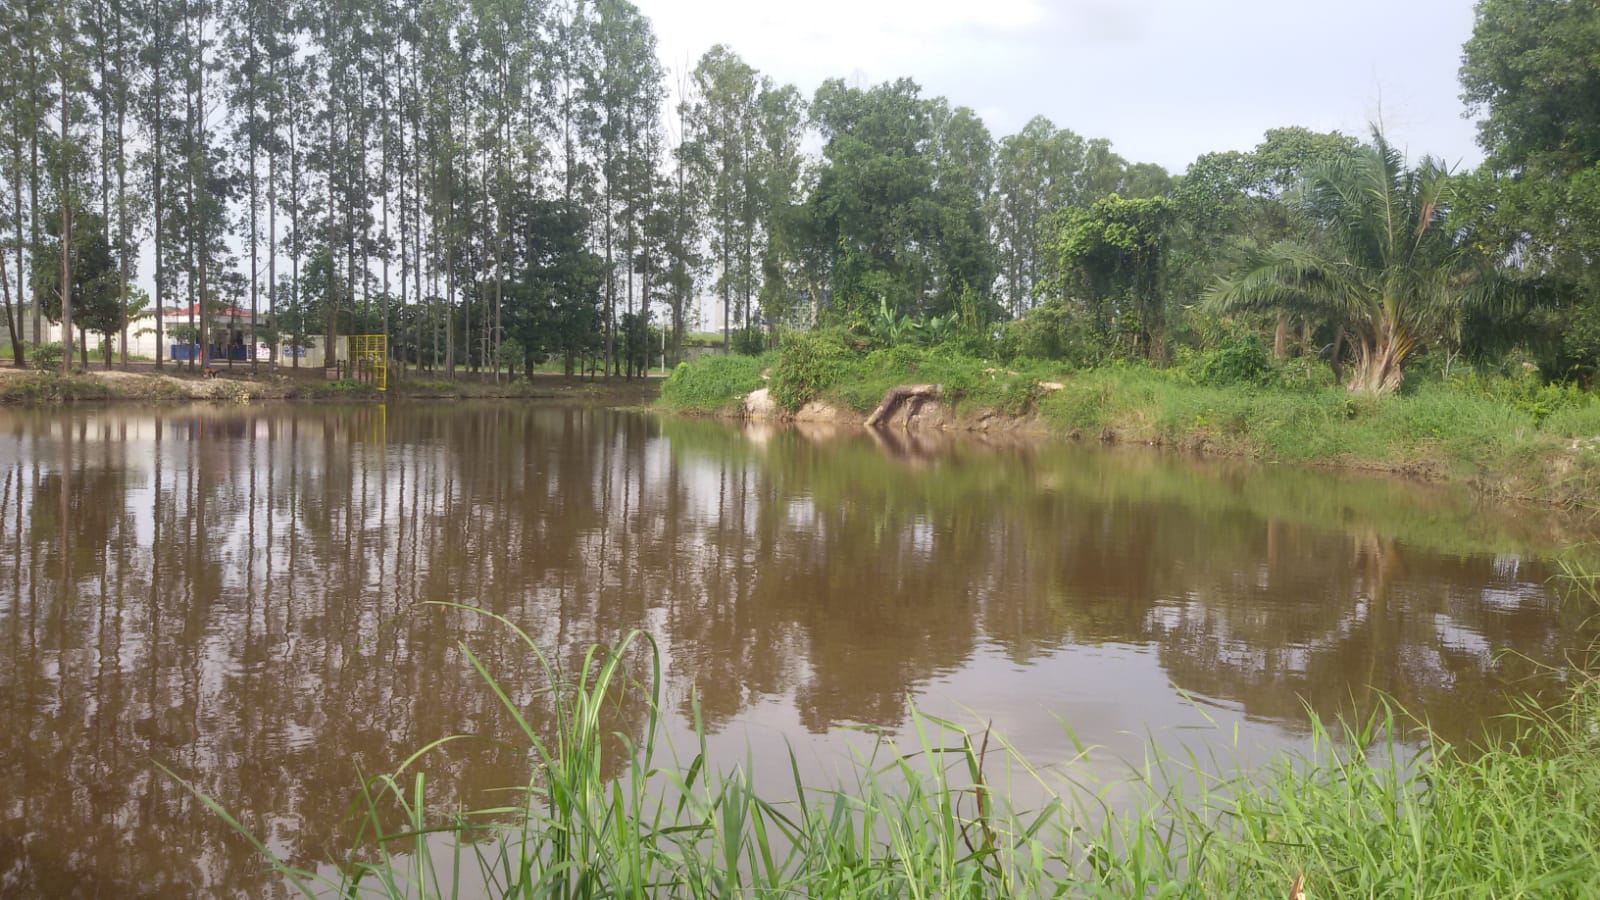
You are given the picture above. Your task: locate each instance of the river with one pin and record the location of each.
(242, 595)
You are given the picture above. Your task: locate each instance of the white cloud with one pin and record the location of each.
(1165, 80)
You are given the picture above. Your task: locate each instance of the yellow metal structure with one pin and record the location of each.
(369, 359)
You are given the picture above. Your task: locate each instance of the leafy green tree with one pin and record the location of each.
(552, 303)
(1112, 256)
(722, 155)
(1379, 261)
(626, 92)
(962, 263)
(781, 117)
(26, 35)
(1532, 68)
(1038, 171)
(895, 212)
(96, 288)
(1231, 204)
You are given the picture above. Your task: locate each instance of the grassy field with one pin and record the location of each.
(1507, 436)
(1361, 815)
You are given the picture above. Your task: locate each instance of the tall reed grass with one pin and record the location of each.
(1361, 814)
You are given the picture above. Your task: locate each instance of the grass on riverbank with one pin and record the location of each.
(1508, 436)
(1355, 818)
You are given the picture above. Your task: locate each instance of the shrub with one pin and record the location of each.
(46, 357)
(1526, 392)
(1304, 373)
(712, 383)
(808, 364)
(1243, 359)
(750, 341)
(1052, 331)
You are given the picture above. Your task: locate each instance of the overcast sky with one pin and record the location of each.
(1164, 80)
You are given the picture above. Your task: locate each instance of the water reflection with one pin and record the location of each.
(241, 595)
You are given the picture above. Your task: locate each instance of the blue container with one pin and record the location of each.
(184, 352)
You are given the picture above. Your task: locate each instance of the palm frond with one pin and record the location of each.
(1287, 276)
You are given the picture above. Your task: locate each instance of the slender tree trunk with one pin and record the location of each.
(66, 215)
(19, 354)
(255, 207)
(123, 267)
(13, 330)
(450, 271)
(727, 284)
(297, 339)
(272, 237)
(198, 171)
(157, 198)
(102, 104)
(383, 189)
(611, 290)
(499, 260)
(33, 183)
(405, 221)
(330, 299)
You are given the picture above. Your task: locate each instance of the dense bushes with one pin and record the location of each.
(1501, 431)
(712, 383)
(46, 357)
(808, 363)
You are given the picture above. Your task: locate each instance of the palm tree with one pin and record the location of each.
(1378, 261)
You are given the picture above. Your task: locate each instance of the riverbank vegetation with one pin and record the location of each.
(1377, 807)
(1506, 431)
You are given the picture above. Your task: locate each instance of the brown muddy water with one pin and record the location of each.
(241, 595)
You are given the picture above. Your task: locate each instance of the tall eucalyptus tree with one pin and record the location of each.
(724, 118)
(626, 93)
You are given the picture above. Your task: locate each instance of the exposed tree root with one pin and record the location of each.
(913, 395)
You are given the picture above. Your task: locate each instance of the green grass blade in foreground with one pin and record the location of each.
(298, 879)
(1358, 816)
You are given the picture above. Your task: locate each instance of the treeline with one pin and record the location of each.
(498, 183)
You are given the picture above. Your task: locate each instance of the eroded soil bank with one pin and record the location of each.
(1517, 462)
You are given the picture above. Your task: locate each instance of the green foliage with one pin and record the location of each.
(1053, 330)
(713, 383)
(1392, 289)
(551, 305)
(896, 211)
(1242, 360)
(808, 363)
(1112, 256)
(52, 387)
(1527, 393)
(46, 357)
(750, 341)
(887, 327)
(96, 281)
(1534, 67)
(1494, 438)
(1357, 815)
